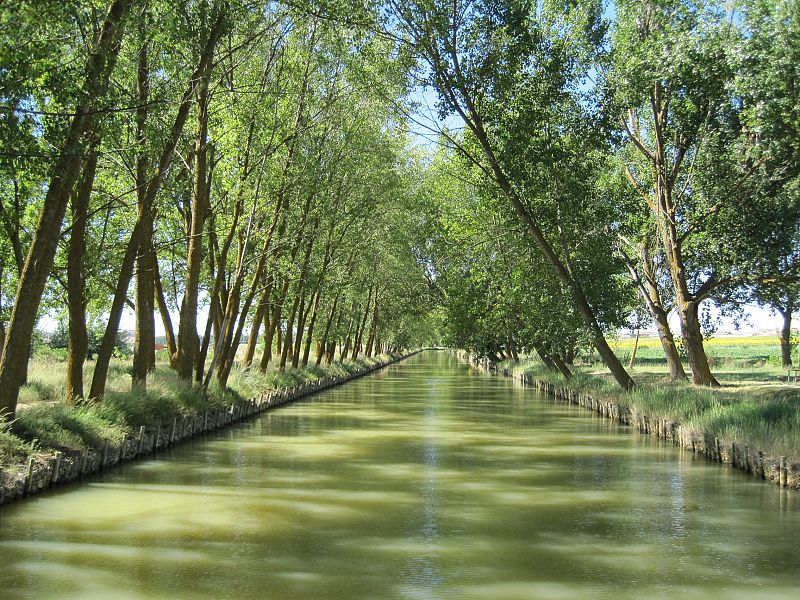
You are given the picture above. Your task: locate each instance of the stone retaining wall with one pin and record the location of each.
(741, 456)
(44, 471)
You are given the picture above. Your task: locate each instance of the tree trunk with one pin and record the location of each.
(78, 341)
(109, 340)
(674, 362)
(635, 349)
(287, 340)
(474, 121)
(302, 315)
(372, 329)
(361, 326)
(144, 358)
(255, 328)
(545, 357)
(786, 336)
(274, 325)
(126, 270)
(200, 362)
(560, 365)
(328, 323)
(63, 175)
(693, 341)
(188, 341)
(345, 350)
(166, 319)
(310, 334)
(648, 289)
(513, 349)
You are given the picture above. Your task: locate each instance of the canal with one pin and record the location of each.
(425, 480)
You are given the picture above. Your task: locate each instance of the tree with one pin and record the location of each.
(63, 175)
(692, 162)
(487, 62)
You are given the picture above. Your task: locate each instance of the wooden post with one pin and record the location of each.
(56, 468)
(157, 439)
(784, 473)
(85, 461)
(140, 442)
(122, 447)
(104, 457)
(733, 454)
(172, 431)
(29, 477)
(761, 465)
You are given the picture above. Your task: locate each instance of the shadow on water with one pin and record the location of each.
(427, 480)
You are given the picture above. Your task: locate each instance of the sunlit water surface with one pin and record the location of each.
(426, 480)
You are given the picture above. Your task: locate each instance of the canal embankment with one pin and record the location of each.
(50, 467)
(739, 453)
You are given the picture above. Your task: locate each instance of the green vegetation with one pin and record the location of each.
(245, 173)
(754, 404)
(46, 424)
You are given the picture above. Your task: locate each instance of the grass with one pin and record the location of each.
(725, 352)
(44, 422)
(753, 406)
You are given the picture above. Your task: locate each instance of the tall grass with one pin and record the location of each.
(767, 418)
(65, 428)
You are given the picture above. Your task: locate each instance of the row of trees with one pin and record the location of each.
(652, 155)
(243, 157)
(251, 159)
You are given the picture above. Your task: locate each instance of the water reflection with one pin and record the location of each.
(424, 481)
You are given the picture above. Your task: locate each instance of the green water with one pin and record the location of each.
(426, 480)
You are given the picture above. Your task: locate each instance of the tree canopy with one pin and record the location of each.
(246, 175)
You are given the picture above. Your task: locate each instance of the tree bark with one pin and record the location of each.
(78, 340)
(372, 329)
(255, 328)
(287, 340)
(275, 321)
(63, 175)
(126, 270)
(109, 340)
(345, 350)
(561, 365)
(693, 342)
(786, 336)
(188, 341)
(302, 315)
(649, 291)
(310, 333)
(361, 326)
(144, 358)
(545, 358)
(166, 319)
(328, 323)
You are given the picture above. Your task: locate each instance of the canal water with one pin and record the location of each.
(425, 480)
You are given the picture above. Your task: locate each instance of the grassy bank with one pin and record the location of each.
(754, 406)
(45, 424)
